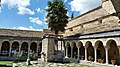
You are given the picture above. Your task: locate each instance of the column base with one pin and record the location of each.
(78, 58)
(94, 62)
(66, 57)
(106, 63)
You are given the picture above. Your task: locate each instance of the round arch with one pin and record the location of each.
(5, 48)
(113, 51)
(15, 47)
(81, 50)
(24, 48)
(79, 44)
(73, 44)
(74, 51)
(33, 47)
(101, 56)
(67, 44)
(87, 44)
(90, 51)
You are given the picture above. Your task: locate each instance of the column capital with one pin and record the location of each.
(85, 47)
(71, 45)
(78, 47)
(95, 47)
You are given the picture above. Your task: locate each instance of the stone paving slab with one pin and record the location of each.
(46, 64)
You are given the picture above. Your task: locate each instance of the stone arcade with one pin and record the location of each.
(93, 36)
(15, 41)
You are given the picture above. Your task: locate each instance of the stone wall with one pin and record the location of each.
(100, 19)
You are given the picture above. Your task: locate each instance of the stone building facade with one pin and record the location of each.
(95, 35)
(92, 36)
(19, 41)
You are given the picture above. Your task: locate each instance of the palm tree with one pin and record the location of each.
(56, 16)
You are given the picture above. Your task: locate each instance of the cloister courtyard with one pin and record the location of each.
(89, 40)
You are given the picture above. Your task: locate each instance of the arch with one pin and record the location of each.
(24, 48)
(73, 44)
(87, 44)
(97, 43)
(108, 42)
(69, 49)
(79, 44)
(5, 48)
(101, 56)
(75, 51)
(113, 51)
(33, 47)
(67, 44)
(81, 50)
(15, 45)
(90, 51)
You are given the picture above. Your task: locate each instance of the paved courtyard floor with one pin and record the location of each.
(47, 64)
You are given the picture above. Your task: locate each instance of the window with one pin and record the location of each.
(71, 29)
(100, 21)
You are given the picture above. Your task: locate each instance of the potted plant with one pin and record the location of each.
(19, 56)
(28, 59)
(113, 62)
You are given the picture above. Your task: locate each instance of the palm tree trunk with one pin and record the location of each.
(56, 42)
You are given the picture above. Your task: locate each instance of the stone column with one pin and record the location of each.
(85, 53)
(0, 47)
(20, 48)
(106, 50)
(66, 52)
(10, 49)
(71, 52)
(29, 47)
(78, 47)
(119, 50)
(37, 49)
(95, 49)
(71, 45)
(61, 45)
(78, 53)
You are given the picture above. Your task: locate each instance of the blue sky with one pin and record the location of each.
(30, 14)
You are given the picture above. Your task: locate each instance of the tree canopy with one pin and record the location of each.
(56, 16)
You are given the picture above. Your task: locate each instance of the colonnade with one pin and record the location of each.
(9, 47)
(95, 52)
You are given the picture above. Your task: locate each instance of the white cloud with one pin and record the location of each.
(39, 10)
(35, 20)
(20, 4)
(23, 10)
(29, 28)
(65, 1)
(23, 3)
(83, 6)
(16, 3)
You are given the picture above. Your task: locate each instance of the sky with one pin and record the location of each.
(30, 14)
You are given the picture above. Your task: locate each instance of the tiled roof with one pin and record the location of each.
(20, 33)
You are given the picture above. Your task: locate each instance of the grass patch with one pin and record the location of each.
(5, 62)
